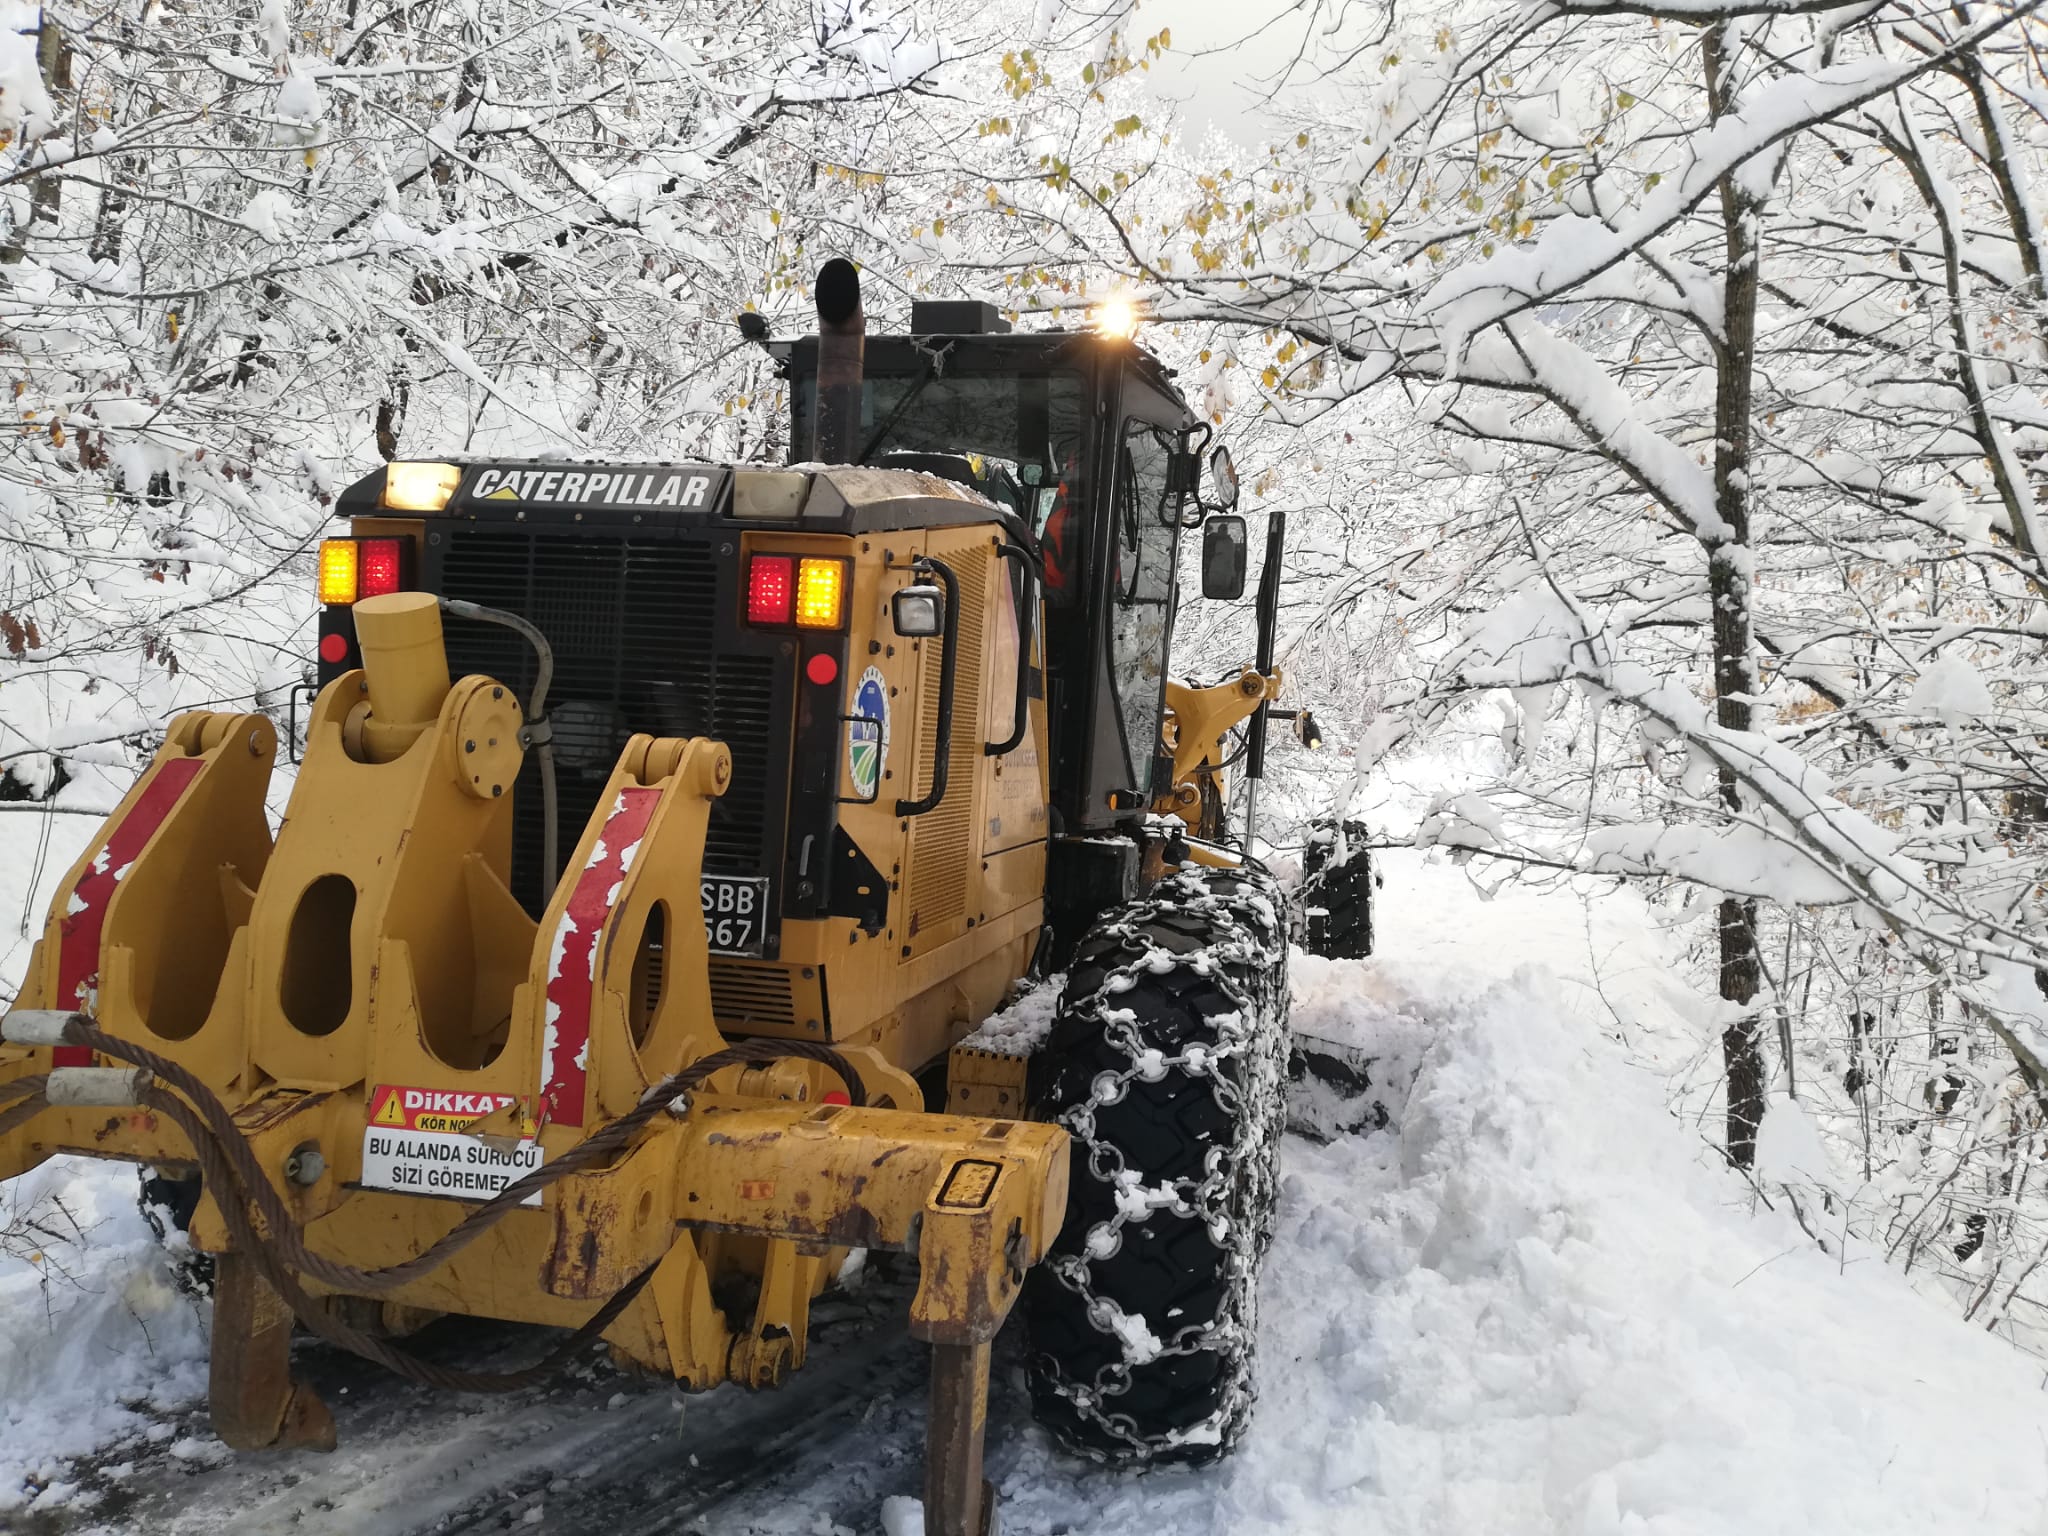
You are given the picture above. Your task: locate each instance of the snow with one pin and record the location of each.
(99, 1343)
(299, 99)
(1950, 688)
(25, 106)
(1535, 1302)
(1788, 1144)
(1020, 1027)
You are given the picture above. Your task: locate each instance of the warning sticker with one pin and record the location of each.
(414, 1145)
(432, 1109)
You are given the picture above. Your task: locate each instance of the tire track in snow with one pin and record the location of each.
(598, 1451)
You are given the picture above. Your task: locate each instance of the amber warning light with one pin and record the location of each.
(784, 590)
(351, 569)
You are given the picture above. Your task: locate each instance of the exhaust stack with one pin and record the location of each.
(842, 344)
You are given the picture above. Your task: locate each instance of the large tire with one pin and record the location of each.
(1165, 1064)
(167, 1202)
(1337, 880)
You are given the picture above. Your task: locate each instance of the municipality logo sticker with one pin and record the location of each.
(867, 736)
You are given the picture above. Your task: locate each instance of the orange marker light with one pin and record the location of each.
(821, 594)
(337, 572)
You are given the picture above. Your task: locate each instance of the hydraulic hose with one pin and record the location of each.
(538, 733)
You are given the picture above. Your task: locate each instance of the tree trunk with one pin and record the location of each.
(45, 188)
(1730, 574)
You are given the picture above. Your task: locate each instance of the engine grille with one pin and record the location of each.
(746, 998)
(634, 626)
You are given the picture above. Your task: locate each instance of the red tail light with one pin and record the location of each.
(377, 567)
(771, 589)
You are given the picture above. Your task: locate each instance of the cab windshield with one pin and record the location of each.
(1019, 438)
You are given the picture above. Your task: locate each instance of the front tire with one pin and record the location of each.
(1165, 1064)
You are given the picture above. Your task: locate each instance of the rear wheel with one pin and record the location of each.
(1337, 882)
(1165, 1064)
(167, 1202)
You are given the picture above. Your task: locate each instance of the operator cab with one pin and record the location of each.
(1084, 439)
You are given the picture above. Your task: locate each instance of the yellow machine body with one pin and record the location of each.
(366, 980)
(1197, 721)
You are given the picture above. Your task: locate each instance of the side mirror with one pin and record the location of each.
(1223, 481)
(1223, 555)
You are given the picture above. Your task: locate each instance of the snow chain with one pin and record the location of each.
(278, 1248)
(1250, 930)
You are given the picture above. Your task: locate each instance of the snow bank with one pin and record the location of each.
(1532, 1305)
(97, 1343)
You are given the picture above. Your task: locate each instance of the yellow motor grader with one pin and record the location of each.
(664, 834)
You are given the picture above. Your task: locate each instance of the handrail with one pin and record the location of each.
(949, 633)
(1025, 609)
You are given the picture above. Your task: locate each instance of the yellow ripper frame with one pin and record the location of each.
(293, 989)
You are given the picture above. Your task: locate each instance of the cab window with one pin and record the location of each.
(1146, 535)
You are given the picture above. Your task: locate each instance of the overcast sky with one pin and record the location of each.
(1224, 53)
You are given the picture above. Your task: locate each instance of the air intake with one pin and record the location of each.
(956, 317)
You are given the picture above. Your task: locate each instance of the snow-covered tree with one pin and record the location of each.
(245, 251)
(1726, 319)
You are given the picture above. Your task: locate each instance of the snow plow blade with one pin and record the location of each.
(1330, 1089)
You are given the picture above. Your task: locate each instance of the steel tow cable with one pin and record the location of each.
(278, 1246)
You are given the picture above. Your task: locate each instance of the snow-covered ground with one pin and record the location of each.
(1535, 1303)
(98, 1346)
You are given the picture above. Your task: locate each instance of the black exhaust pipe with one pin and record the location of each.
(842, 345)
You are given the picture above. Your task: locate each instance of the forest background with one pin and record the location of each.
(1655, 388)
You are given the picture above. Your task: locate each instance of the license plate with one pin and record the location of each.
(735, 912)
